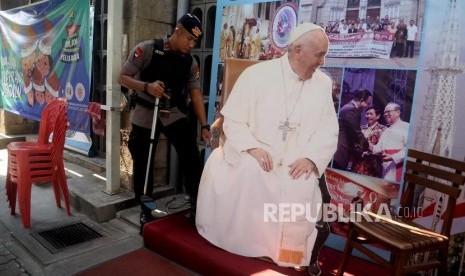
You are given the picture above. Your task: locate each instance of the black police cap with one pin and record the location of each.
(192, 24)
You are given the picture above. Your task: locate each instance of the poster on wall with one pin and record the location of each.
(406, 57)
(46, 55)
(255, 31)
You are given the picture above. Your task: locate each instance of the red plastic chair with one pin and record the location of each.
(32, 162)
(47, 125)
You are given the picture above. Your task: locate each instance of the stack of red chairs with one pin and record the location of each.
(32, 162)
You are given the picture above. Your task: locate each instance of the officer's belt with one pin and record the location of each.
(145, 103)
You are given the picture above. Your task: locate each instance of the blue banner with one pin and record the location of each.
(46, 54)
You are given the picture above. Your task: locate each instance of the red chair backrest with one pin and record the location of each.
(59, 131)
(48, 120)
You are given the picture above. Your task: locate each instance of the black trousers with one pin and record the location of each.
(182, 139)
(400, 49)
(322, 226)
(409, 48)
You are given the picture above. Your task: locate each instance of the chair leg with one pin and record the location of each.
(398, 262)
(61, 177)
(11, 190)
(24, 200)
(442, 270)
(56, 191)
(12, 198)
(24, 190)
(7, 183)
(347, 252)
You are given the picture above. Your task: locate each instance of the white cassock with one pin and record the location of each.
(235, 194)
(393, 141)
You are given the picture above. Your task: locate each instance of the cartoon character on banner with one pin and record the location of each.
(52, 87)
(44, 61)
(28, 57)
(39, 87)
(28, 91)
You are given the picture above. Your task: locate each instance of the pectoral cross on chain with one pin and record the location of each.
(285, 128)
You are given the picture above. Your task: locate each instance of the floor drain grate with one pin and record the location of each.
(64, 236)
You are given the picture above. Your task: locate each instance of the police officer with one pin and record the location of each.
(164, 68)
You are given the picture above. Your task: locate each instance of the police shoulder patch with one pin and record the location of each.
(138, 53)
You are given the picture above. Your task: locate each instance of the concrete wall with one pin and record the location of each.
(12, 124)
(147, 19)
(10, 4)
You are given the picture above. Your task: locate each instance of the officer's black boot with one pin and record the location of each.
(323, 232)
(145, 216)
(193, 209)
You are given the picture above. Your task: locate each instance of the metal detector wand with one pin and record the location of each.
(152, 138)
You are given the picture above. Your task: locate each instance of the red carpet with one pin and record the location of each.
(176, 239)
(140, 262)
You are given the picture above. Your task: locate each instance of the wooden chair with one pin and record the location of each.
(401, 236)
(233, 67)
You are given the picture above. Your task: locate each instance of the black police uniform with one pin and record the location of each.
(175, 71)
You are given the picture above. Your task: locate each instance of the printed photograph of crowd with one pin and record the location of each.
(375, 34)
(402, 35)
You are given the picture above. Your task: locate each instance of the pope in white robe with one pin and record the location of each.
(393, 143)
(283, 110)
